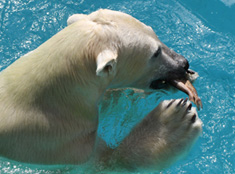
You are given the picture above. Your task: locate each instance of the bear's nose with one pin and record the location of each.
(183, 62)
(186, 64)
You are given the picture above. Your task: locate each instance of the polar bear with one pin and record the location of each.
(49, 97)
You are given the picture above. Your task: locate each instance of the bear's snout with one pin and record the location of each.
(178, 61)
(183, 62)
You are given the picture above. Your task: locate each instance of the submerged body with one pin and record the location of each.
(49, 97)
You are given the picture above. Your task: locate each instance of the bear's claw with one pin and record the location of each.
(171, 102)
(180, 102)
(193, 119)
(182, 105)
(189, 107)
(185, 101)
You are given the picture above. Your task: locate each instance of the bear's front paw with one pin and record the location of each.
(180, 121)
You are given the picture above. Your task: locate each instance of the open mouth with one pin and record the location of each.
(183, 84)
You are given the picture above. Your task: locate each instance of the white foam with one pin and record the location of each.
(228, 3)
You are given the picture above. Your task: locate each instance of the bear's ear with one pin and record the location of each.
(75, 18)
(106, 63)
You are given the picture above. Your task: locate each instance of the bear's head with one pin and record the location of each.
(129, 54)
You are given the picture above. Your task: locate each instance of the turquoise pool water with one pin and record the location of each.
(202, 31)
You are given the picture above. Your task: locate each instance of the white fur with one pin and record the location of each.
(106, 58)
(49, 98)
(75, 18)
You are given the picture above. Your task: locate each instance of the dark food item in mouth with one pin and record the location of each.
(187, 87)
(184, 84)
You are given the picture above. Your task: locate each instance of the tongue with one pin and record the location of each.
(187, 87)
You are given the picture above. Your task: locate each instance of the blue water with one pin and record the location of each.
(202, 31)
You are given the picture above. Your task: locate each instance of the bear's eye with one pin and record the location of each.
(158, 52)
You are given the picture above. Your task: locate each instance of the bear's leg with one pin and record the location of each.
(165, 134)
